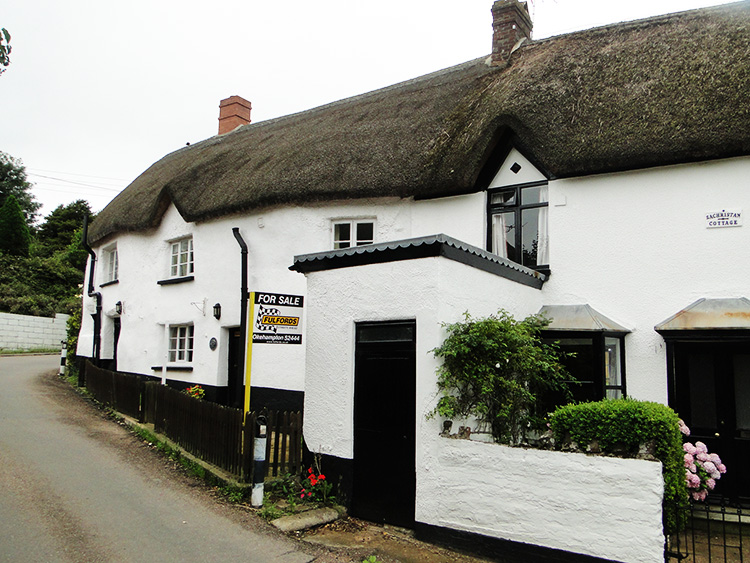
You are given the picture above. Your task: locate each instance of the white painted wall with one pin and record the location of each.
(600, 506)
(274, 236)
(635, 247)
(430, 290)
(25, 332)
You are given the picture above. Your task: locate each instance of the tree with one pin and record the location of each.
(5, 49)
(14, 232)
(13, 182)
(499, 371)
(60, 228)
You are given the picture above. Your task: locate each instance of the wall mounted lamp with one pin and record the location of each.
(118, 307)
(217, 311)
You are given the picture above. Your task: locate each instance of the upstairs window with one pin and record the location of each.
(353, 233)
(181, 264)
(181, 344)
(518, 224)
(111, 264)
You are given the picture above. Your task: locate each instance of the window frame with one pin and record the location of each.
(598, 342)
(183, 351)
(175, 268)
(517, 208)
(353, 238)
(111, 274)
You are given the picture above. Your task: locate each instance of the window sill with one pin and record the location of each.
(172, 281)
(173, 368)
(113, 282)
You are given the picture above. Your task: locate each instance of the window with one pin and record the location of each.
(518, 224)
(595, 361)
(181, 344)
(353, 233)
(110, 264)
(182, 258)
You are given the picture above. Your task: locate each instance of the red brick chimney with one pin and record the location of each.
(511, 23)
(233, 112)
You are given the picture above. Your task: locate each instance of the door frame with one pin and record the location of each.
(396, 461)
(724, 439)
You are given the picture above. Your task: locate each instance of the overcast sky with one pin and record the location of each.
(99, 90)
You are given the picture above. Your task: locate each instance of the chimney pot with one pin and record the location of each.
(233, 112)
(511, 23)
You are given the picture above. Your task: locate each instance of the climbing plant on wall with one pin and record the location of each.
(498, 370)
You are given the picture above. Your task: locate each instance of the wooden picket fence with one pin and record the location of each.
(220, 435)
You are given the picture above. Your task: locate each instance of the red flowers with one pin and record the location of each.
(317, 487)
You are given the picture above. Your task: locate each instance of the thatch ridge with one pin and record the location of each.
(659, 91)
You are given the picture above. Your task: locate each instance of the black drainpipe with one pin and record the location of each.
(243, 316)
(98, 315)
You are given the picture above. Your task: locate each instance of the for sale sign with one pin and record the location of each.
(277, 318)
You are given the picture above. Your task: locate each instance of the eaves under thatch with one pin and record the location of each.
(653, 92)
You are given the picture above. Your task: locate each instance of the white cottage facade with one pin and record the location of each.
(588, 176)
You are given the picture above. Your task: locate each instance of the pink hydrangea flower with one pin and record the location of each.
(702, 456)
(683, 428)
(710, 483)
(701, 447)
(689, 448)
(693, 481)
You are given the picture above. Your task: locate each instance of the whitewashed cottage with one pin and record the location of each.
(602, 177)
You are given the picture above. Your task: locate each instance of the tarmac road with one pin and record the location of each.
(74, 487)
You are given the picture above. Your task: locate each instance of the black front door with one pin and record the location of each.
(384, 423)
(712, 394)
(116, 331)
(235, 374)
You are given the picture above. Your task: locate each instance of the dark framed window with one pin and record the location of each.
(517, 220)
(595, 360)
(353, 233)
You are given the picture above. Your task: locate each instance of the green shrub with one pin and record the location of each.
(621, 426)
(498, 370)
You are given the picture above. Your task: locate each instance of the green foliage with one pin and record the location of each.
(621, 426)
(15, 237)
(5, 49)
(498, 370)
(371, 559)
(270, 511)
(48, 279)
(38, 286)
(62, 228)
(74, 327)
(13, 182)
(196, 392)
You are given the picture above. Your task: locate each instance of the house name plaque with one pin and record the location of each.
(724, 218)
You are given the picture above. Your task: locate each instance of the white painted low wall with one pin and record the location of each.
(601, 506)
(23, 332)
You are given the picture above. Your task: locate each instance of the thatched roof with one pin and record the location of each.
(658, 91)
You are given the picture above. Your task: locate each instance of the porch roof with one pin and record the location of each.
(422, 247)
(731, 313)
(579, 318)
